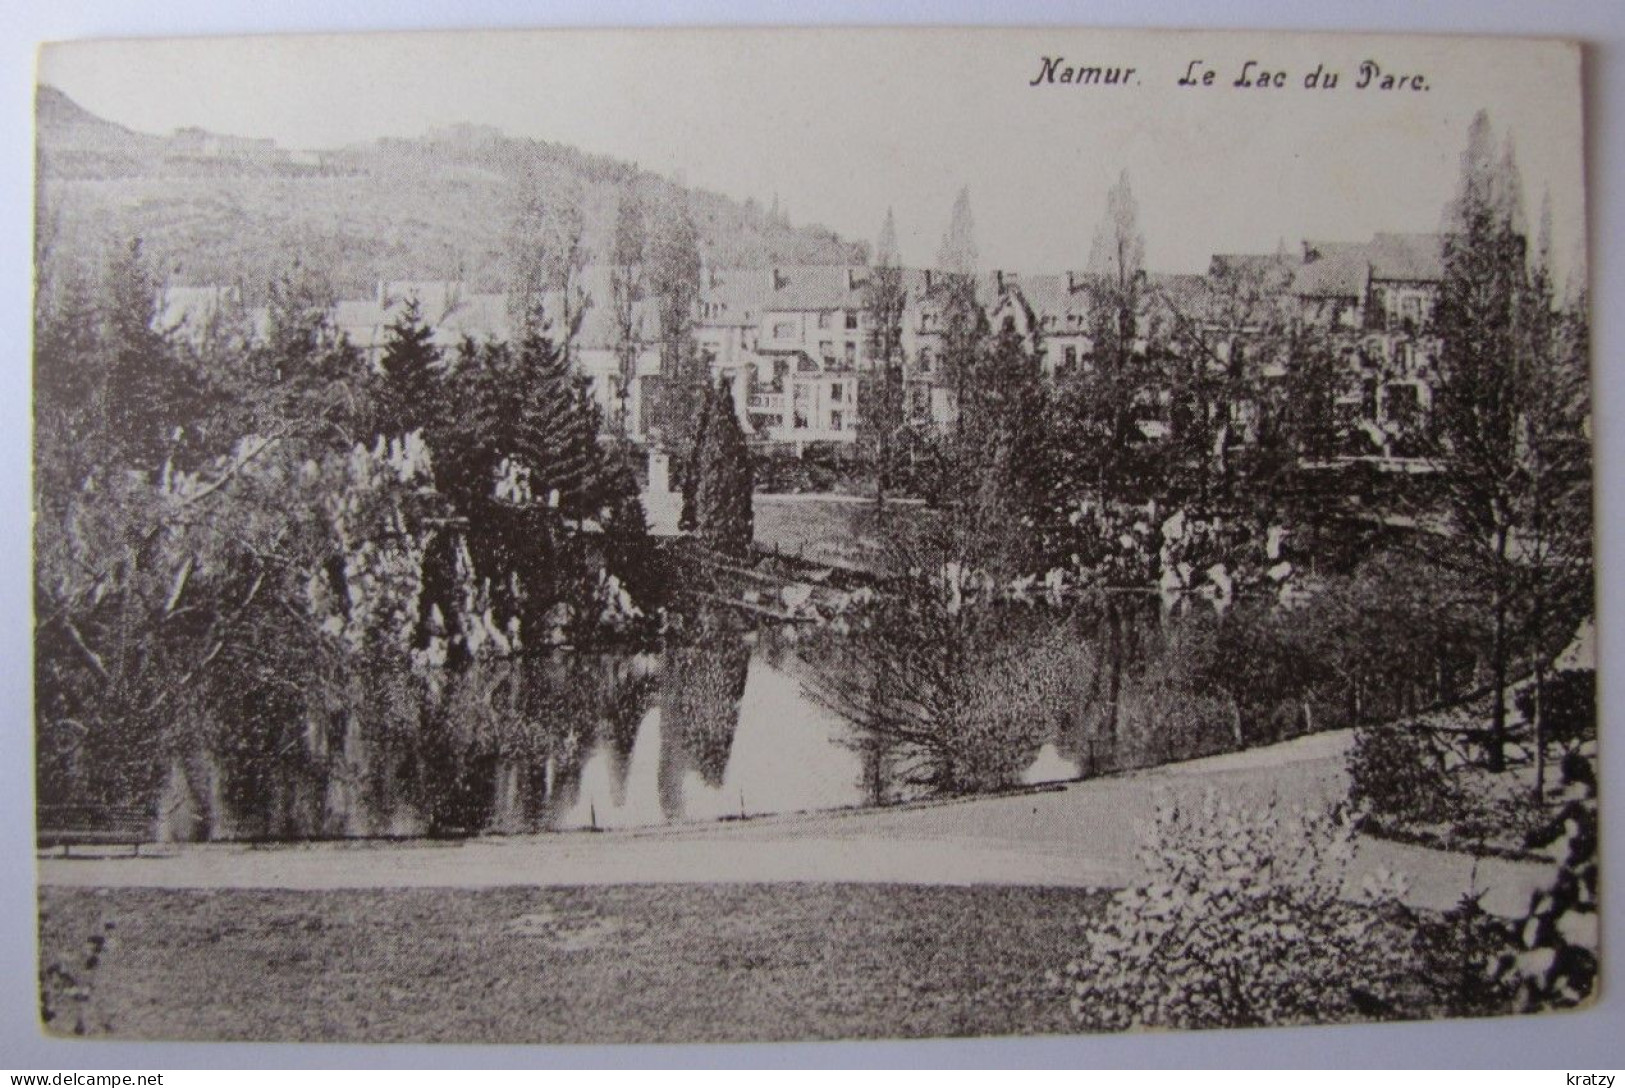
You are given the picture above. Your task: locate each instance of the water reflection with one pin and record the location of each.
(730, 735)
(740, 724)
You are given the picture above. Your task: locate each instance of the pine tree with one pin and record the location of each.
(723, 515)
(147, 398)
(409, 375)
(554, 430)
(1556, 572)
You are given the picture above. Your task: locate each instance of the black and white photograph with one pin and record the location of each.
(773, 535)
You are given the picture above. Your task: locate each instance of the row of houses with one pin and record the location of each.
(791, 343)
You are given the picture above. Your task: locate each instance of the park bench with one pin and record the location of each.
(85, 825)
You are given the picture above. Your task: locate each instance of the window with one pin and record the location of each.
(1410, 310)
(835, 392)
(925, 361)
(836, 422)
(851, 353)
(1071, 356)
(851, 319)
(784, 330)
(826, 349)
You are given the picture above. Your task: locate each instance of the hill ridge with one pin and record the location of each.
(214, 208)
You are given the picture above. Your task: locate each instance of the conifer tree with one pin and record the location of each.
(147, 398)
(723, 515)
(688, 519)
(410, 373)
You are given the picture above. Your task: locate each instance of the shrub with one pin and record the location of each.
(1553, 962)
(1244, 921)
(1570, 714)
(1397, 775)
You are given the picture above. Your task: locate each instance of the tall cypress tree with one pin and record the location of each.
(690, 483)
(964, 321)
(880, 389)
(723, 514)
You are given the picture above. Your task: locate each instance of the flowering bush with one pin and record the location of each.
(1245, 920)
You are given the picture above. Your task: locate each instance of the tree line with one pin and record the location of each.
(1198, 450)
(252, 541)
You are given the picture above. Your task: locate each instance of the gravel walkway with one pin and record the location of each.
(1081, 835)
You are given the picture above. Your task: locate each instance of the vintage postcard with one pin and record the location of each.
(678, 536)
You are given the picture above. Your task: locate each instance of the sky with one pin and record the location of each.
(841, 124)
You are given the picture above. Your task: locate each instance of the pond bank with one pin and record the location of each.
(1083, 835)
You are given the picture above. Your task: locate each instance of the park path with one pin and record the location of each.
(1082, 834)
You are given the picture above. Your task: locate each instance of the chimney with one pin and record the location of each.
(928, 281)
(1072, 284)
(776, 279)
(998, 278)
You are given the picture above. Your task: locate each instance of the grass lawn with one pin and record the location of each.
(837, 532)
(620, 964)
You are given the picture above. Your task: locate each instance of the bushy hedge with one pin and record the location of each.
(1397, 775)
(1242, 922)
(1246, 918)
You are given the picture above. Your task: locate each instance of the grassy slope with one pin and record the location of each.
(616, 964)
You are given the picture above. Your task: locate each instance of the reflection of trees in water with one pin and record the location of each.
(700, 690)
(947, 696)
(487, 745)
(632, 683)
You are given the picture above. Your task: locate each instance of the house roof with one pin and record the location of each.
(1332, 270)
(1407, 257)
(799, 287)
(1343, 269)
(455, 314)
(1230, 263)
